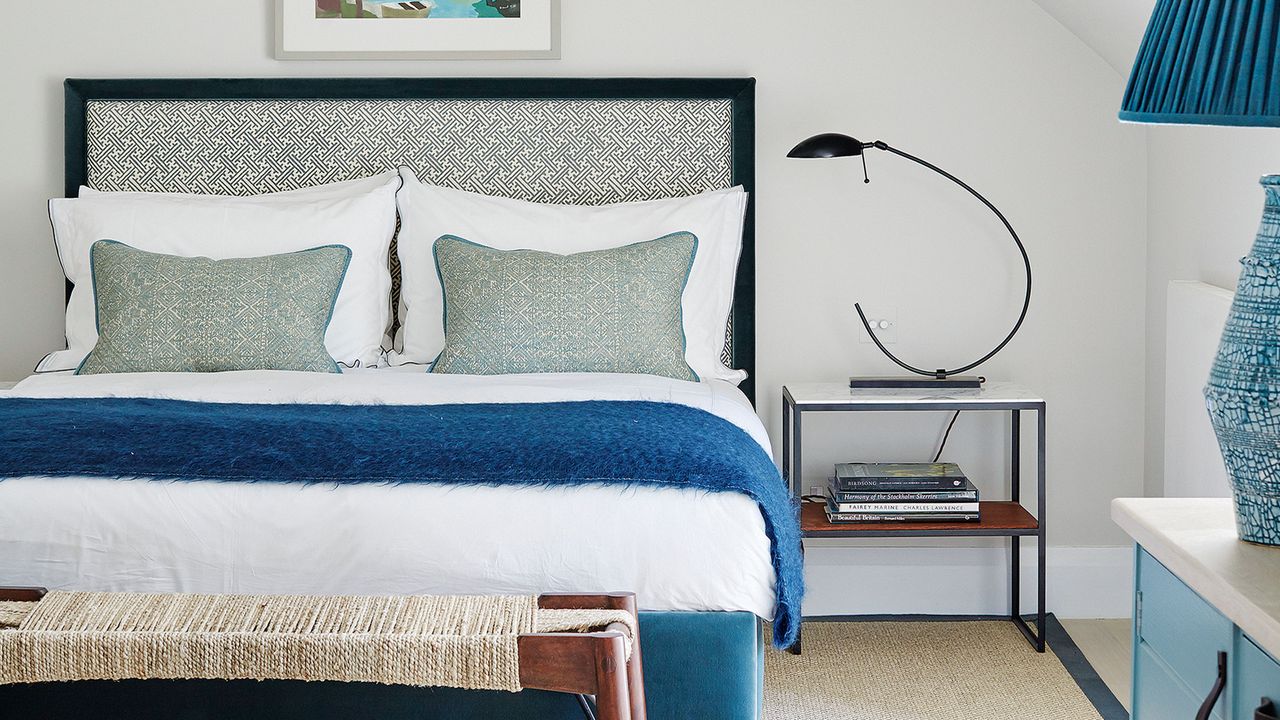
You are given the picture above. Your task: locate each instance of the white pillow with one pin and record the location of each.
(427, 212)
(361, 216)
(334, 190)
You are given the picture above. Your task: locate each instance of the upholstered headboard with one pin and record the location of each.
(586, 141)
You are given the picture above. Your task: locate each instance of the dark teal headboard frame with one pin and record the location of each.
(740, 92)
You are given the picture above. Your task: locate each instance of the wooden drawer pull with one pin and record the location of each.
(1266, 711)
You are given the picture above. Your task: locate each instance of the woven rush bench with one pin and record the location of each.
(579, 644)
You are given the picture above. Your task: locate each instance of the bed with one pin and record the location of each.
(566, 140)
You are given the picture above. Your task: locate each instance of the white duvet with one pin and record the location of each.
(677, 549)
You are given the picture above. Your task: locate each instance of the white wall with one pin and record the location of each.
(1203, 202)
(1111, 28)
(1203, 210)
(996, 91)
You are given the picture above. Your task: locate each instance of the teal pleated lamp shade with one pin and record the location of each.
(1208, 62)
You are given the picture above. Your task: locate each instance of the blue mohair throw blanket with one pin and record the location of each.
(566, 443)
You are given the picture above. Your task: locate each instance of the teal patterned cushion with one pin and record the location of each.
(163, 313)
(526, 311)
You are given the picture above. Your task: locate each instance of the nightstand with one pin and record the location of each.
(999, 518)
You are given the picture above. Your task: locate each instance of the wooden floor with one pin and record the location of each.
(1106, 644)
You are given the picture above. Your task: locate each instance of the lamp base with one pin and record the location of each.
(918, 382)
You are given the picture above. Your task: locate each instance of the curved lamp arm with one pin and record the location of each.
(1026, 261)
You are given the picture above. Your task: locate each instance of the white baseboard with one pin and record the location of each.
(1083, 582)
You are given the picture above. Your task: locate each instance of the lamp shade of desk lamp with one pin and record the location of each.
(1217, 62)
(827, 145)
(836, 145)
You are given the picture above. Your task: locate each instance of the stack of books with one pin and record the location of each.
(901, 492)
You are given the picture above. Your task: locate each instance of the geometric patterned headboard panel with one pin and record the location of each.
(567, 151)
(561, 140)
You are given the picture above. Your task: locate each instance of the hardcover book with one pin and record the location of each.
(966, 491)
(899, 476)
(839, 517)
(901, 508)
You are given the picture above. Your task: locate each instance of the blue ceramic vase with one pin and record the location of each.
(1243, 394)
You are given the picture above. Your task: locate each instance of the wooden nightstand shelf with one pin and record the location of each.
(999, 518)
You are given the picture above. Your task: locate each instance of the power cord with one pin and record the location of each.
(946, 435)
(938, 455)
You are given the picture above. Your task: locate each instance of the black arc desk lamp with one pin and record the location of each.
(832, 145)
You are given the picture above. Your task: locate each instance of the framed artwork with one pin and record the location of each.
(417, 29)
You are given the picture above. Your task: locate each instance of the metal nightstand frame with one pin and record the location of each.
(792, 473)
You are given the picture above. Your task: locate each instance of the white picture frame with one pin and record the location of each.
(300, 35)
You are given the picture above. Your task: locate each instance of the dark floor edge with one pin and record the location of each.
(906, 618)
(1104, 701)
(1056, 636)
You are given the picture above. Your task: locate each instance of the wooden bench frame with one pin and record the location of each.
(594, 663)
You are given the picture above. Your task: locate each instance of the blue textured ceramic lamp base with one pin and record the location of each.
(1243, 394)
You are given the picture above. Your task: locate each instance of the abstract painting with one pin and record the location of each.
(453, 29)
(417, 9)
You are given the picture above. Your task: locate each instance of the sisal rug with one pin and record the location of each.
(960, 670)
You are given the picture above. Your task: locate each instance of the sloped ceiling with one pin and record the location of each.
(1111, 28)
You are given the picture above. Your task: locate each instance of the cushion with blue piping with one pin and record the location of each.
(528, 311)
(164, 313)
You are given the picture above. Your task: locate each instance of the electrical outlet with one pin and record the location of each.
(884, 321)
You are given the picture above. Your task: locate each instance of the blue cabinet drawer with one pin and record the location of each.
(1158, 695)
(1256, 675)
(1179, 627)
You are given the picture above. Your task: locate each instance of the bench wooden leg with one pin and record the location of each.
(588, 663)
(613, 695)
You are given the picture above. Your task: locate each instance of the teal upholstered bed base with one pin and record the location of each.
(703, 665)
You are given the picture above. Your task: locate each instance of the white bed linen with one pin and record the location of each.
(678, 549)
